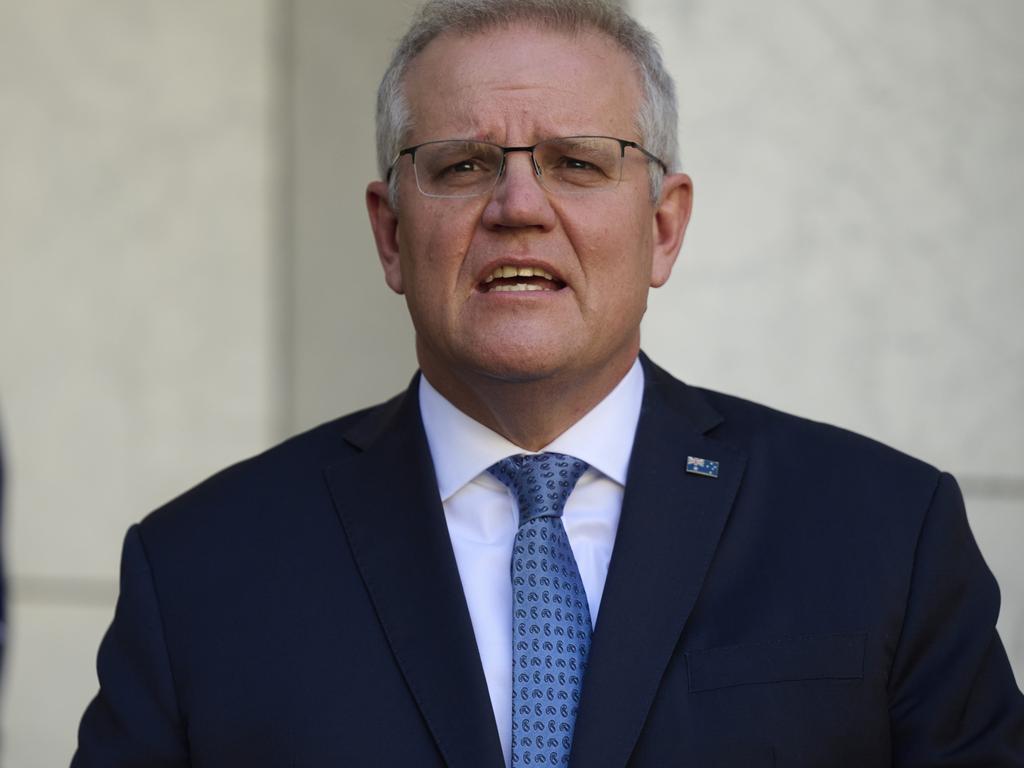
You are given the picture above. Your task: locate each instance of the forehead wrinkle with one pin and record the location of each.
(462, 99)
(464, 121)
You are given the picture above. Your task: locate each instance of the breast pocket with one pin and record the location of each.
(808, 657)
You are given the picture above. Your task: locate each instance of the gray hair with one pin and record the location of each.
(656, 117)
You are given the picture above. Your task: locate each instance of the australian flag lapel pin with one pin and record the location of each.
(703, 467)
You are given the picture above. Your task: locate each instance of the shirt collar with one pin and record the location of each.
(462, 448)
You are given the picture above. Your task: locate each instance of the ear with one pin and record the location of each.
(671, 215)
(384, 223)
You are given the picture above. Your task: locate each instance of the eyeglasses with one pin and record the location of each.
(570, 165)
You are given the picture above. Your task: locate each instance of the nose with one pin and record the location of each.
(518, 200)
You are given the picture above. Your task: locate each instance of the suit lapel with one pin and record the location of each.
(670, 526)
(388, 502)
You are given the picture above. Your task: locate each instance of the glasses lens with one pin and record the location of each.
(456, 168)
(579, 164)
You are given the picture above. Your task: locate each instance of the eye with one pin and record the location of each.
(463, 166)
(576, 164)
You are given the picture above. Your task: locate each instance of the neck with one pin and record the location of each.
(530, 414)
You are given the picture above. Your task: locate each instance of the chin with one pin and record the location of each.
(523, 365)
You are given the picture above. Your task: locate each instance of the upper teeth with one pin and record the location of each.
(518, 272)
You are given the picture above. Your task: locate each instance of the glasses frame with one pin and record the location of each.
(505, 151)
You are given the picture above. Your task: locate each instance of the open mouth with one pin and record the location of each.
(508, 278)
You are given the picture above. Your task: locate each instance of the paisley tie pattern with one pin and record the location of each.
(551, 618)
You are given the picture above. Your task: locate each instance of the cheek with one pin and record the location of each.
(637, 247)
(615, 255)
(433, 251)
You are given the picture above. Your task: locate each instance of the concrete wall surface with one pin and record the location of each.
(349, 342)
(855, 250)
(137, 305)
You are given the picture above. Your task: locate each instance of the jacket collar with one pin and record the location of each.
(670, 527)
(387, 500)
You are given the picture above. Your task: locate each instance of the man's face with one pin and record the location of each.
(515, 87)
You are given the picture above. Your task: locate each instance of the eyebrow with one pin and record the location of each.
(541, 133)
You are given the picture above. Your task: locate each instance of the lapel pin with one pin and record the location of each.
(703, 467)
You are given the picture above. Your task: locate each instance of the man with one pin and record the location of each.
(695, 580)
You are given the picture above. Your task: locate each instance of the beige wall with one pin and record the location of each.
(138, 305)
(186, 274)
(350, 343)
(855, 253)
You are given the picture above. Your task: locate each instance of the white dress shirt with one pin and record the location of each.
(483, 520)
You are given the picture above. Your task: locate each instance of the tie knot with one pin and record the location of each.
(540, 482)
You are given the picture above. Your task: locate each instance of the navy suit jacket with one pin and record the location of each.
(820, 603)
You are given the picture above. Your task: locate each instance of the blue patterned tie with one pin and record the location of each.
(551, 619)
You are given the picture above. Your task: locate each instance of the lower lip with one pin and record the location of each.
(527, 288)
(523, 295)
